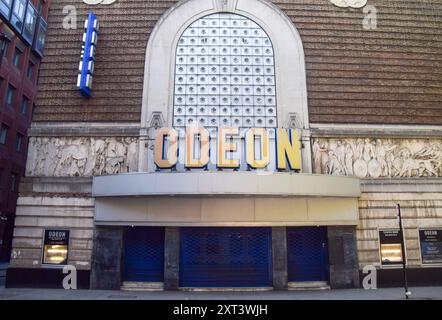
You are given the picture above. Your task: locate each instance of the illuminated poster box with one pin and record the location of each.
(56, 245)
(390, 242)
(431, 246)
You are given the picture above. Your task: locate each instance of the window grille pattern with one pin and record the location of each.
(225, 74)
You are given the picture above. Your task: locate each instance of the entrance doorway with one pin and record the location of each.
(226, 257)
(307, 254)
(144, 254)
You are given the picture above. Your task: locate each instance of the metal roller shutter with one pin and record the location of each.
(144, 254)
(225, 257)
(307, 254)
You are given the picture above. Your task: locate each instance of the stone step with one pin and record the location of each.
(142, 286)
(309, 285)
(2, 279)
(3, 267)
(227, 289)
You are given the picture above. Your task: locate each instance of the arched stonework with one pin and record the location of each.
(159, 73)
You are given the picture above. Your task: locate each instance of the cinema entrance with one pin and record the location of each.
(225, 257)
(216, 257)
(179, 231)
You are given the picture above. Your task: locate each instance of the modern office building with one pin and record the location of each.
(234, 143)
(23, 25)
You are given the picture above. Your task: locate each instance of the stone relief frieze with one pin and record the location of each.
(81, 156)
(378, 158)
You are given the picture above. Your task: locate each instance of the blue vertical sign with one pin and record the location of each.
(88, 52)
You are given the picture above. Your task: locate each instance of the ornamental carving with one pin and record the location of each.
(81, 156)
(378, 158)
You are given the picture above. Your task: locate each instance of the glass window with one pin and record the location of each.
(30, 70)
(18, 14)
(390, 246)
(56, 246)
(3, 134)
(10, 96)
(24, 105)
(18, 142)
(17, 57)
(30, 23)
(5, 8)
(40, 7)
(40, 39)
(225, 74)
(5, 48)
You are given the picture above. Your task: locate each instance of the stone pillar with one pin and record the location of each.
(343, 257)
(279, 257)
(106, 258)
(171, 258)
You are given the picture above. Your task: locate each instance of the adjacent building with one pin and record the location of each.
(235, 143)
(24, 24)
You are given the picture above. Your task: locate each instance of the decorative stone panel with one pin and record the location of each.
(378, 158)
(81, 156)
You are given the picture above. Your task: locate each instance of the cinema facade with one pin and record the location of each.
(254, 144)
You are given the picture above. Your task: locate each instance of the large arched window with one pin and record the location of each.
(181, 71)
(225, 74)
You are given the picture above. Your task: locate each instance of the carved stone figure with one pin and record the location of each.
(132, 155)
(333, 165)
(320, 156)
(73, 159)
(349, 154)
(115, 156)
(378, 158)
(96, 161)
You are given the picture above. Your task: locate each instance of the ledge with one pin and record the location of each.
(84, 129)
(56, 185)
(332, 130)
(416, 185)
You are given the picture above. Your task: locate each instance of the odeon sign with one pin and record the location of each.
(254, 146)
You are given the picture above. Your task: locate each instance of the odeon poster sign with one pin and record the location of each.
(195, 147)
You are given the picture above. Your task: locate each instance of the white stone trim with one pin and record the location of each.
(368, 130)
(84, 129)
(45, 125)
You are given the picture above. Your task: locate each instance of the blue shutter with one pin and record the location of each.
(307, 254)
(225, 257)
(144, 254)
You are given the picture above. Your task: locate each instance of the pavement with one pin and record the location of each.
(418, 293)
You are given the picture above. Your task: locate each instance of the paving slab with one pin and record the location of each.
(418, 293)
